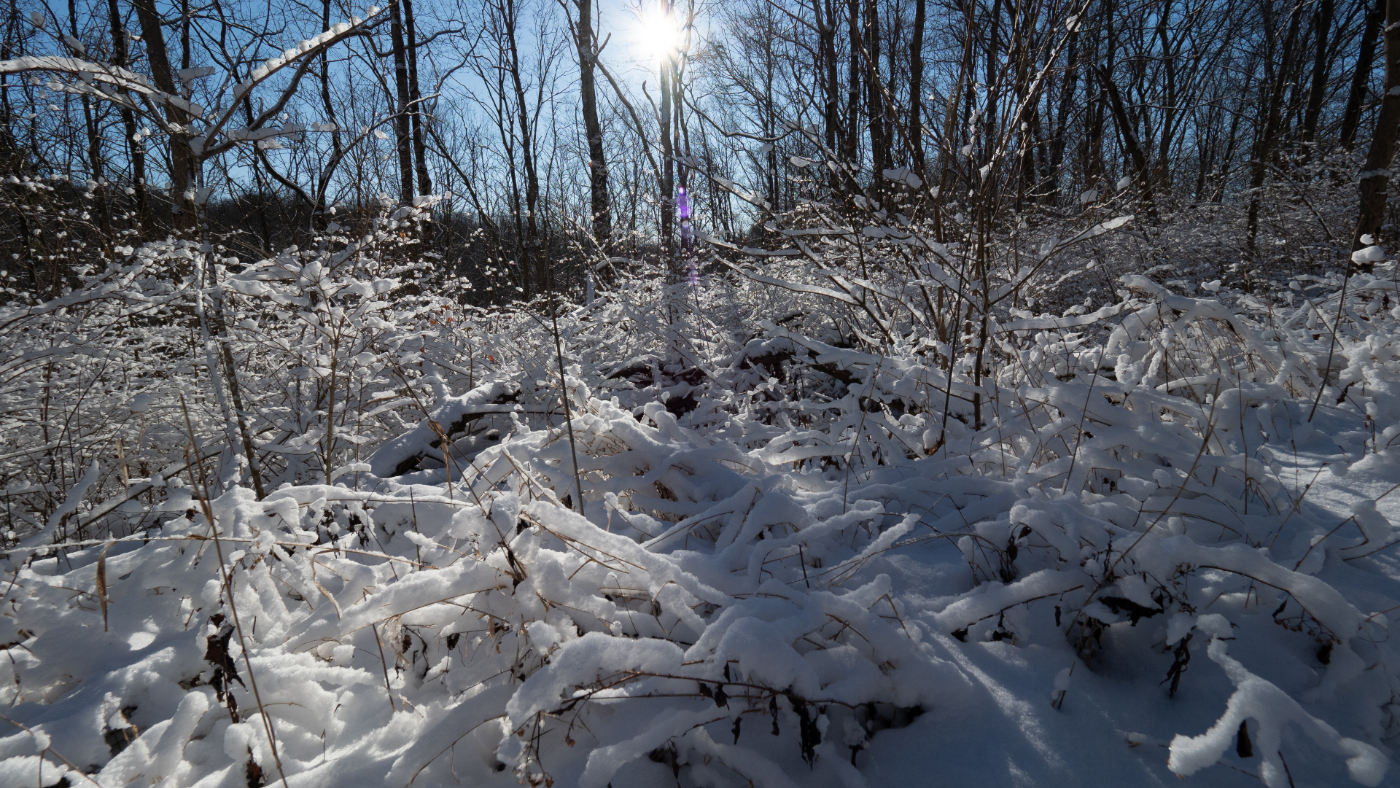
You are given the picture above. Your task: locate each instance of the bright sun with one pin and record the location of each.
(659, 34)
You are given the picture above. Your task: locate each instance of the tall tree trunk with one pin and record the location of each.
(1294, 107)
(680, 135)
(94, 143)
(1023, 58)
(134, 148)
(1361, 77)
(949, 150)
(599, 203)
(916, 89)
(990, 62)
(1205, 157)
(420, 148)
(1057, 147)
(1104, 111)
(1318, 91)
(185, 21)
(1375, 178)
(337, 145)
(1267, 140)
(1168, 131)
(531, 241)
(772, 176)
(824, 12)
(1232, 138)
(879, 146)
(505, 121)
(401, 121)
(10, 157)
(1136, 154)
(1093, 165)
(668, 165)
(183, 165)
(851, 147)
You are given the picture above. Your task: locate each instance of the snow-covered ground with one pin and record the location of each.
(796, 564)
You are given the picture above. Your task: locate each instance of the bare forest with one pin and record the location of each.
(699, 392)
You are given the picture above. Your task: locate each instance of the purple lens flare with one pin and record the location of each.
(692, 276)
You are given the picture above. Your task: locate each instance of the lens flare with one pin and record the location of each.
(659, 33)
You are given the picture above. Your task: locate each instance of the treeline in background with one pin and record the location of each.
(559, 131)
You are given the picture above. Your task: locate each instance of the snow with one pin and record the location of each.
(1270, 708)
(67, 508)
(796, 561)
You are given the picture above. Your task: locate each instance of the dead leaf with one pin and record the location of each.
(102, 582)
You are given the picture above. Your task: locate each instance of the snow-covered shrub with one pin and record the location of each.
(797, 554)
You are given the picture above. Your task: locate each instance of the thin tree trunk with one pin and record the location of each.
(1318, 91)
(1141, 174)
(415, 96)
(401, 121)
(668, 185)
(1168, 131)
(94, 143)
(949, 152)
(773, 176)
(1361, 77)
(879, 146)
(1268, 136)
(1093, 151)
(1375, 178)
(824, 12)
(183, 166)
(600, 204)
(1232, 139)
(851, 149)
(337, 146)
(1093, 140)
(185, 21)
(989, 81)
(13, 160)
(1057, 147)
(1205, 150)
(1021, 56)
(527, 152)
(916, 88)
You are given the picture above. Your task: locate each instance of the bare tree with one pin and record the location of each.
(183, 165)
(1375, 177)
(1361, 75)
(600, 206)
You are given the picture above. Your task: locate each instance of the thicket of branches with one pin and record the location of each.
(560, 132)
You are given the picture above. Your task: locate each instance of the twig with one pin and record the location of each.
(385, 665)
(869, 395)
(228, 588)
(564, 396)
(50, 750)
(1332, 345)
